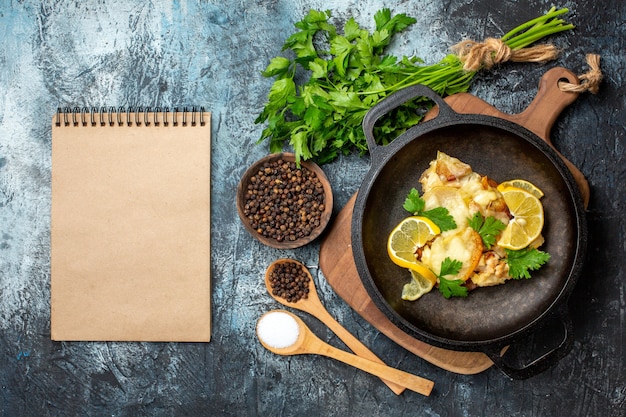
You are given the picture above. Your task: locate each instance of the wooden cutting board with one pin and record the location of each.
(336, 259)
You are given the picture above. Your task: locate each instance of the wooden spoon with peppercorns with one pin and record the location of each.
(290, 283)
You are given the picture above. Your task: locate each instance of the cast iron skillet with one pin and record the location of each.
(492, 318)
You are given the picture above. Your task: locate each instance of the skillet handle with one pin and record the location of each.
(393, 101)
(545, 361)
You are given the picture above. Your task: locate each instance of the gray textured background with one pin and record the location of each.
(155, 53)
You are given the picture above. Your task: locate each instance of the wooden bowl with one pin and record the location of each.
(286, 243)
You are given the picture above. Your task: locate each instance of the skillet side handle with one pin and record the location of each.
(393, 101)
(545, 361)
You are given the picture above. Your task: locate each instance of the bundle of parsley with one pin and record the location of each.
(346, 74)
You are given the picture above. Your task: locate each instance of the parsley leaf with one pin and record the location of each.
(278, 66)
(449, 287)
(413, 203)
(450, 267)
(524, 260)
(440, 215)
(397, 23)
(488, 228)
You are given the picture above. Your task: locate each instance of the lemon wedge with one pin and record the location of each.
(418, 286)
(527, 221)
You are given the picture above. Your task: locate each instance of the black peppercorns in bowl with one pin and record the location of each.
(282, 205)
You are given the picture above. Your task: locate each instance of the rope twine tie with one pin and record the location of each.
(589, 81)
(485, 55)
(477, 55)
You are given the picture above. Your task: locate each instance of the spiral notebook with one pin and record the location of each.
(130, 225)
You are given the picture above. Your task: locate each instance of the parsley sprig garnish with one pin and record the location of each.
(439, 215)
(524, 260)
(488, 228)
(451, 287)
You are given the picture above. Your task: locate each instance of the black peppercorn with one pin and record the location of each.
(290, 281)
(284, 202)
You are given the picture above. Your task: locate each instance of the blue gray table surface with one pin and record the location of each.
(162, 53)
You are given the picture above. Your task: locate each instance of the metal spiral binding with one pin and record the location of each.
(111, 116)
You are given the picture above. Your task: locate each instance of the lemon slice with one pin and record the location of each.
(527, 221)
(408, 236)
(419, 268)
(418, 286)
(523, 184)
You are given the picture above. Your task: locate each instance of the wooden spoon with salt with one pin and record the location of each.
(306, 342)
(314, 306)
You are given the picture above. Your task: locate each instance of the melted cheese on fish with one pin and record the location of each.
(463, 245)
(452, 184)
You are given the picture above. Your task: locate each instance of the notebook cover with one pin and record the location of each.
(130, 232)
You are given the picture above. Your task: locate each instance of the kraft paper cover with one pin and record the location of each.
(130, 232)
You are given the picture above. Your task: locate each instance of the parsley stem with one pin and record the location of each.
(449, 74)
(536, 34)
(534, 22)
(535, 29)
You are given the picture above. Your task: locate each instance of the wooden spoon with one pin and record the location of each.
(308, 343)
(314, 306)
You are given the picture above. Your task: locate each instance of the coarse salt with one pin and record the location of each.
(278, 329)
